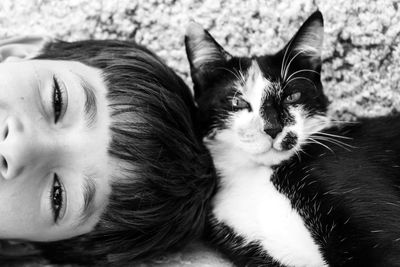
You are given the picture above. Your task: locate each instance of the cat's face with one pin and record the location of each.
(265, 106)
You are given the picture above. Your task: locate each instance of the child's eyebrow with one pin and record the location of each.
(90, 106)
(89, 193)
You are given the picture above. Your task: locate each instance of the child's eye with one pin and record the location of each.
(292, 98)
(59, 95)
(239, 103)
(57, 198)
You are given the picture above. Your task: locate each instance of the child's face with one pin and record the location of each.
(54, 135)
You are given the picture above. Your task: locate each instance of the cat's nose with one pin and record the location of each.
(272, 131)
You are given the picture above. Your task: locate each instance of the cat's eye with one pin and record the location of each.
(292, 98)
(239, 103)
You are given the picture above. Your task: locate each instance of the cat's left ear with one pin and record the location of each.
(306, 45)
(205, 55)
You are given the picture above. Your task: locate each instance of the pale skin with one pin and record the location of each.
(54, 135)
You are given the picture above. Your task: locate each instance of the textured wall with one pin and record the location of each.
(361, 49)
(361, 52)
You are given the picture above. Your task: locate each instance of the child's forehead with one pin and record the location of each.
(58, 63)
(54, 65)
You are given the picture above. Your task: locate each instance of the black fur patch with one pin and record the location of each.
(241, 252)
(346, 196)
(287, 118)
(289, 141)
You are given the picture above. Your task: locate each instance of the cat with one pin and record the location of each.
(295, 188)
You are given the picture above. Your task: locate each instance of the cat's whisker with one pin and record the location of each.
(334, 135)
(241, 72)
(234, 95)
(283, 66)
(303, 70)
(344, 144)
(299, 78)
(236, 92)
(320, 125)
(237, 75)
(298, 152)
(316, 135)
(290, 62)
(336, 142)
(344, 122)
(243, 78)
(319, 143)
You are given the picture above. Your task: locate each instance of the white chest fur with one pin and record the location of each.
(249, 203)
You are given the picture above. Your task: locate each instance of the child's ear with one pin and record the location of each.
(20, 48)
(305, 47)
(205, 55)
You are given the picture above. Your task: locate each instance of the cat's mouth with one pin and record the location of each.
(283, 142)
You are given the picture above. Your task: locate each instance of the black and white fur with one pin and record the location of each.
(295, 188)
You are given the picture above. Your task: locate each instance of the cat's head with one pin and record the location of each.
(266, 105)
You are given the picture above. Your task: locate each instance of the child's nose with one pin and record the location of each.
(17, 148)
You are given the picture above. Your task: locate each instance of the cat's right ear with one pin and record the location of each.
(205, 56)
(304, 49)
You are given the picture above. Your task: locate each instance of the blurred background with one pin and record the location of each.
(361, 55)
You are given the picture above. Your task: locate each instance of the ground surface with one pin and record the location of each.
(361, 72)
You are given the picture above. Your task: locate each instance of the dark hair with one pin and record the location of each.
(160, 195)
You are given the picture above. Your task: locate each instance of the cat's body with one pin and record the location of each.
(250, 204)
(348, 199)
(294, 188)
